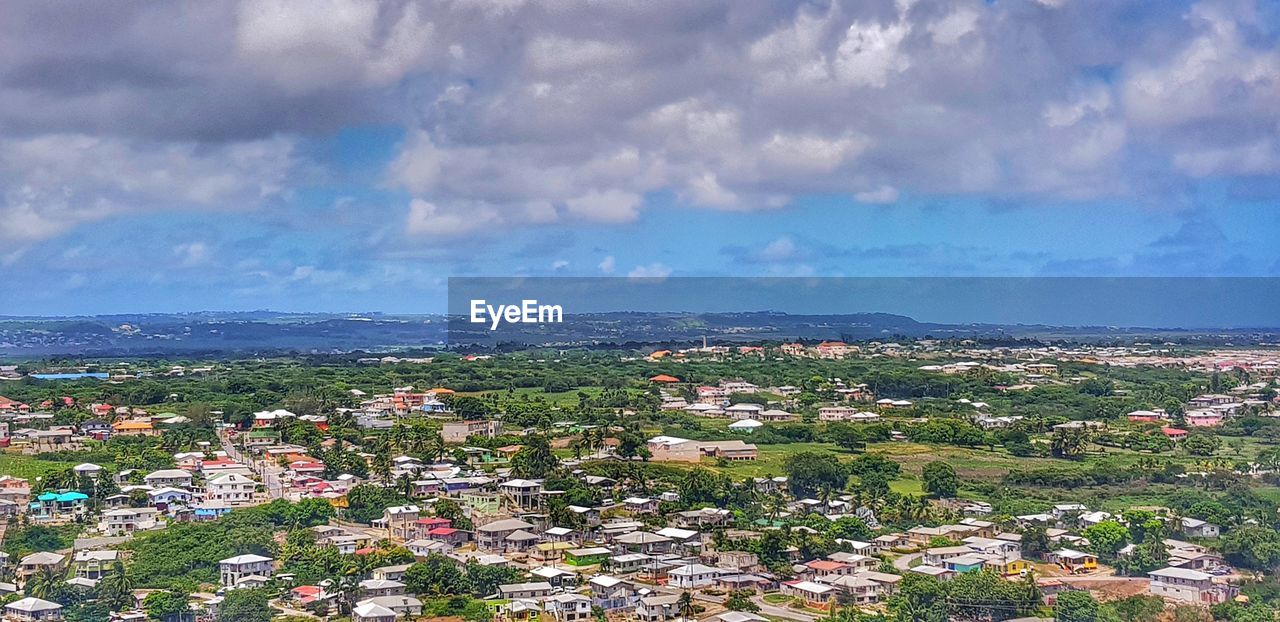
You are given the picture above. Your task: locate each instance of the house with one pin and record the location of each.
(937, 572)
(134, 427)
(525, 590)
(32, 609)
(176, 478)
(35, 562)
(125, 521)
(693, 576)
(372, 612)
(1074, 561)
(611, 593)
(1203, 418)
(401, 521)
(59, 505)
(165, 497)
(525, 494)
(1188, 586)
(586, 556)
(814, 595)
(640, 505)
(401, 605)
(644, 542)
(1196, 528)
(657, 608)
(231, 489)
(460, 431)
(568, 607)
(391, 573)
(235, 569)
(94, 564)
(381, 587)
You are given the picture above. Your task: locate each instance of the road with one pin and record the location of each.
(904, 562)
(270, 474)
(782, 612)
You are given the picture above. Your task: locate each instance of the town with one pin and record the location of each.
(864, 481)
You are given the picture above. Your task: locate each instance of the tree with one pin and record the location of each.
(740, 600)
(808, 472)
(847, 436)
(1035, 542)
(1252, 547)
(116, 589)
(1069, 443)
(920, 598)
(684, 605)
(534, 460)
(1107, 537)
(940, 479)
(166, 606)
(1075, 606)
(1137, 608)
(245, 606)
(436, 575)
(1201, 443)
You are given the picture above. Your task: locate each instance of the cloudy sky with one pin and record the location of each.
(350, 155)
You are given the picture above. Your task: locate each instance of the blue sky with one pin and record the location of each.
(353, 156)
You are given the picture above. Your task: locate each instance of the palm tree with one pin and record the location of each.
(43, 582)
(116, 589)
(684, 604)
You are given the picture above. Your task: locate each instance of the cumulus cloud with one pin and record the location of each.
(650, 271)
(607, 265)
(538, 113)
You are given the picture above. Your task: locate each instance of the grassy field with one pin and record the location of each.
(29, 467)
(555, 399)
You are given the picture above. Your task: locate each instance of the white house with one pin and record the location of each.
(176, 478)
(32, 609)
(232, 489)
(233, 569)
(128, 520)
(693, 576)
(1197, 528)
(1188, 586)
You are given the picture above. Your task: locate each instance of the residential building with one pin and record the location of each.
(235, 569)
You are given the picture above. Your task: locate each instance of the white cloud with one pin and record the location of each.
(780, 249)
(608, 264)
(559, 265)
(191, 254)
(609, 206)
(650, 271)
(882, 195)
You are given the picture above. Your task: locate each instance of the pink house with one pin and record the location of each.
(1203, 418)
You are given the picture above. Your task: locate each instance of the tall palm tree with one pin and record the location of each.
(43, 582)
(684, 604)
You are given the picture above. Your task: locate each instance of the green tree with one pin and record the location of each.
(1075, 606)
(1107, 537)
(940, 479)
(740, 600)
(535, 459)
(1252, 547)
(245, 606)
(1137, 608)
(1201, 443)
(167, 605)
(809, 472)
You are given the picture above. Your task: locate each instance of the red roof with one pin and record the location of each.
(664, 378)
(1173, 432)
(826, 564)
(442, 531)
(439, 522)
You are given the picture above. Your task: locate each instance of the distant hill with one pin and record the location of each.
(266, 332)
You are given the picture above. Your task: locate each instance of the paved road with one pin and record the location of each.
(270, 474)
(782, 612)
(904, 562)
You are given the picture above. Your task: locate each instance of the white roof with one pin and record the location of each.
(694, 569)
(249, 558)
(168, 474)
(810, 586)
(1181, 573)
(676, 533)
(744, 424)
(32, 604)
(373, 610)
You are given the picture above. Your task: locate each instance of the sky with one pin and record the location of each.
(344, 155)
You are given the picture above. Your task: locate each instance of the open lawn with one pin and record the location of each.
(29, 467)
(555, 399)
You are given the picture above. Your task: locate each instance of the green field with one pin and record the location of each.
(555, 399)
(29, 467)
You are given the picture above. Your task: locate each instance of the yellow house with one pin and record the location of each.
(1009, 568)
(1075, 562)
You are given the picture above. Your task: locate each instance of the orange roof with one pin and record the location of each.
(132, 425)
(826, 564)
(442, 390)
(664, 378)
